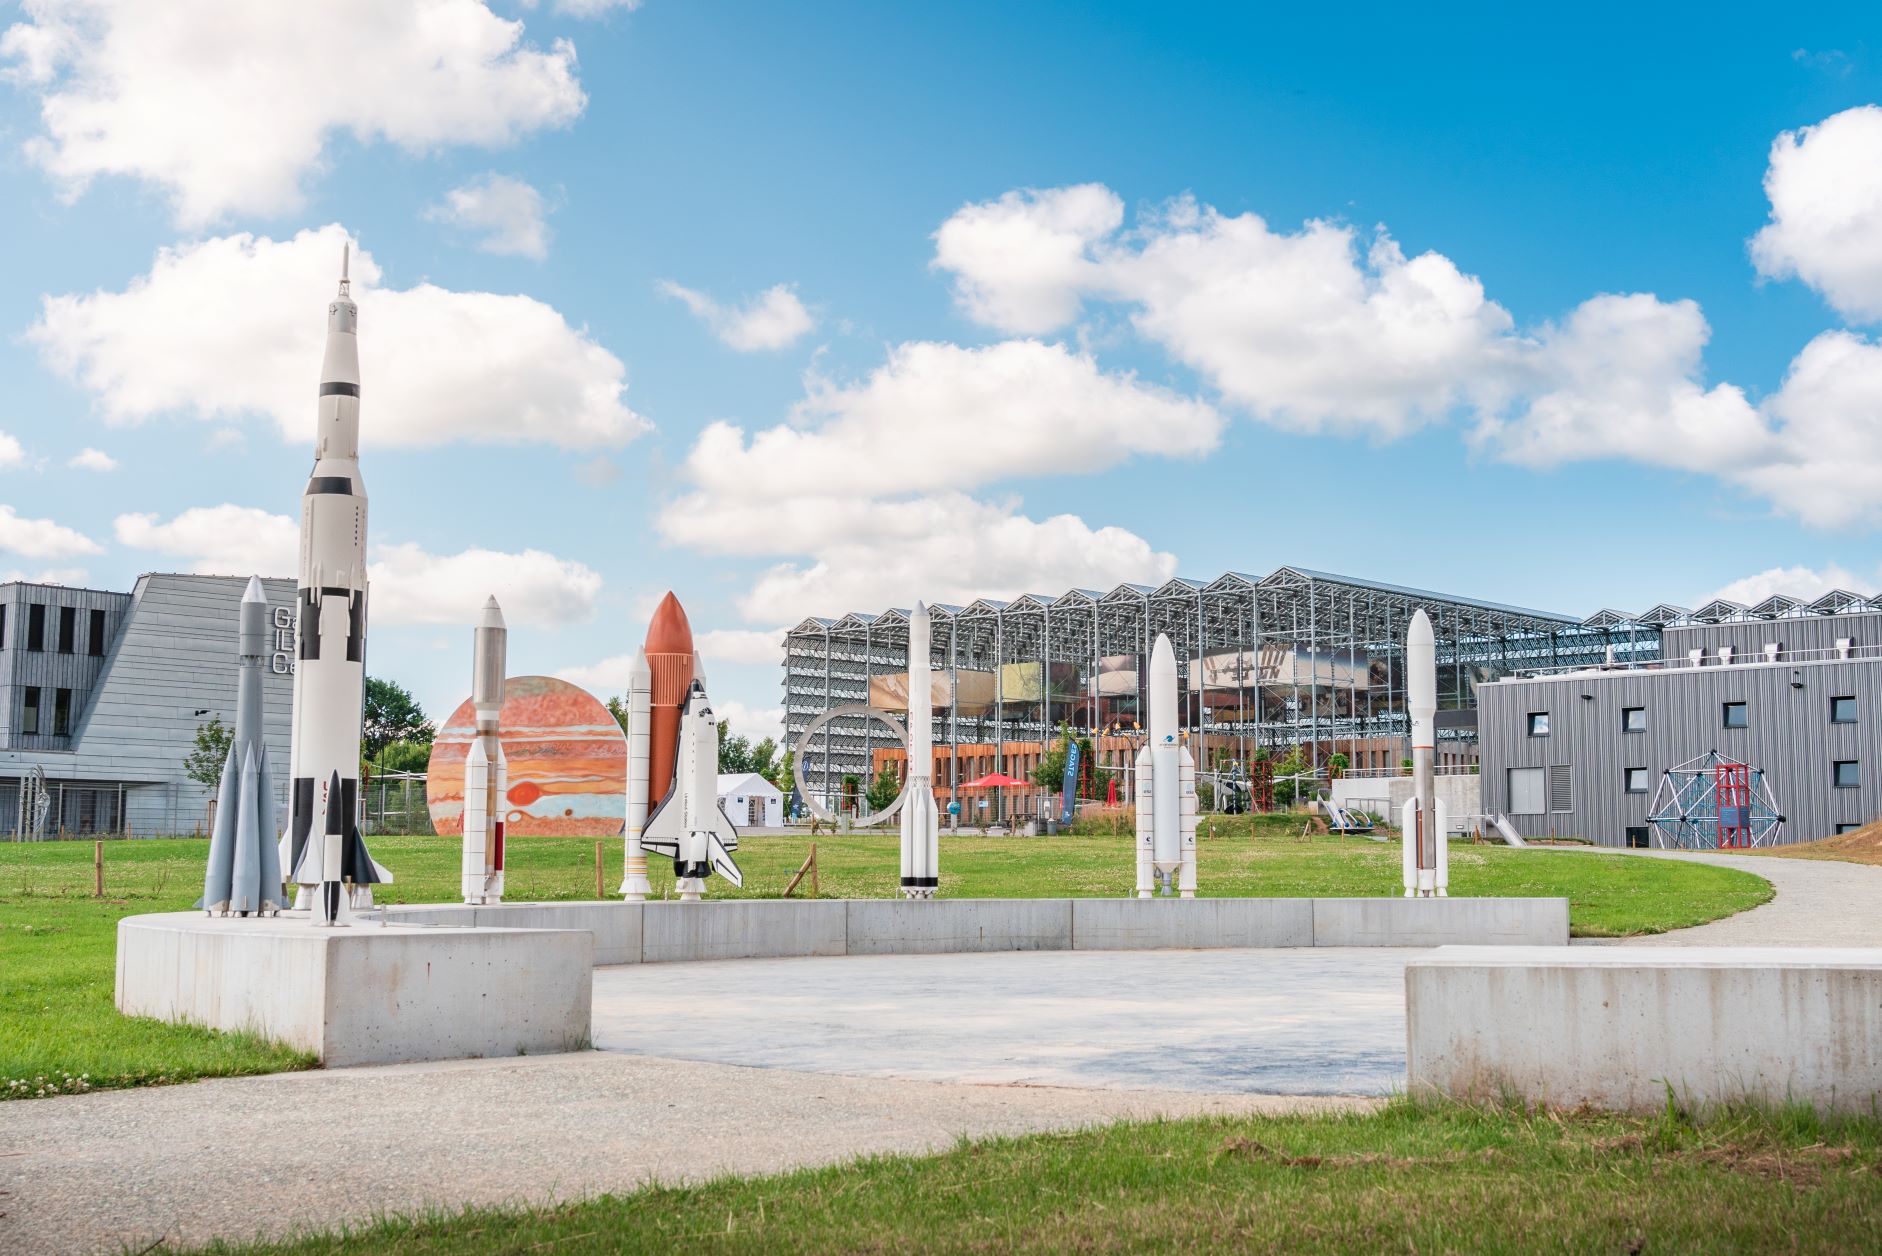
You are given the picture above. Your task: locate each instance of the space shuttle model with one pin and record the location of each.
(1422, 828)
(243, 877)
(921, 821)
(324, 852)
(689, 826)
(1166, 789)
(486, 773)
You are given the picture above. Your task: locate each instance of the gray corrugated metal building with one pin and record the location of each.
(104, 697)
(1789, 688)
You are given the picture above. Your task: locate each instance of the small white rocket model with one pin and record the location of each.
(634, 883)
(1166, 789)
(486, 773)
(1424, 823)
(244, 872)
(921, 821)
(325, 851)
(689, 826)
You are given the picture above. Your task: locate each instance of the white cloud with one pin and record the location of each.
(230, 107)
(41, 538)
(756, 646)
(1808, 583)
(1827, 454)
(234, 325)
(771, 320)
(1305, 330)
(509, 213)
(608, 676)
(408, 585)
(225, 540)
(12, 453)
(594, 8)
(1825, 187)
(754, 723)
(89, 459)
(73, 576)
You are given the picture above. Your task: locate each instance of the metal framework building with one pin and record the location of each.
(1296, 657)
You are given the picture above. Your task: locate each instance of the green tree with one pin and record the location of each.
(883, 789)
(1050, 774)
(204, 762)
(734, 750)
(763, 756)
(783, 773)
(392, 714)
(405, 756)
(1287, 789)
(617, 707)
(1336, 767)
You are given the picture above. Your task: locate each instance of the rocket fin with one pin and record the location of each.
(721, 860)
(723, 828)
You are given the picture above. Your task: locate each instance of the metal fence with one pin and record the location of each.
(395, 803)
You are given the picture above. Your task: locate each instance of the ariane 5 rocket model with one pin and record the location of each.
(1424, 823)
(486, 773)
(921, 822)
(327, 856)
(244, 872)
(1166, 789)
(689, 825)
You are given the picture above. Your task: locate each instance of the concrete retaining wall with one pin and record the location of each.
(778, 928)
(1614, 1027)
(370, 994)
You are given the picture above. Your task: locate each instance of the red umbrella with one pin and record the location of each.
(993, 780)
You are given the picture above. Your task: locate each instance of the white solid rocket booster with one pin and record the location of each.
(634, 885)
(689, 826)
(486, 772)
(1166, 789)
(326, 854)
(1423, 825)
(921, 822)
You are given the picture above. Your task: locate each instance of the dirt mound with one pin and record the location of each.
(1863, 845)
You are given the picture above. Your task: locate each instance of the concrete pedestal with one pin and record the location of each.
(369, 994)
(1616, 1026)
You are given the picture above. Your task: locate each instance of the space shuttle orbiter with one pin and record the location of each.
(689, 826)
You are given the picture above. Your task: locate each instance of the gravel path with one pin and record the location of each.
(248, 1157)
(1819, 902)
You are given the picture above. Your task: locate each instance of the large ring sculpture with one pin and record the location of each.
(803, 742)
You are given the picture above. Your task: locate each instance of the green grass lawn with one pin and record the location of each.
(1408, 1178)
(58, 943)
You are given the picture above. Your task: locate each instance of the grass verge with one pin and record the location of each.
(1407, 1178)
(58, 943)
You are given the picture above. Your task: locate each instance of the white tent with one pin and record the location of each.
(750, 801)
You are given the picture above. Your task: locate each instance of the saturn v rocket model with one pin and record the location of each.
(921, 822)
(1424, 824)
(244, 872)
(1166, 789)
(326, 855)
(486, 774)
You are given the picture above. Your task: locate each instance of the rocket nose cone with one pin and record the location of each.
(1163, 654)
(493, 614)
(1420, 632)
(640, 670)
(253, 592)
(921, 611)
(669, 632)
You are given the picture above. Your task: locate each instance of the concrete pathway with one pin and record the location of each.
(263, 1156)
(1327, 1020)
(1818, 902)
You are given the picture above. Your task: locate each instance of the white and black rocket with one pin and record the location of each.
(486, 771)
(243, 876)
(689, 826)
(1166, 789)
(1424, 822)
(921, 821)
(326, 854)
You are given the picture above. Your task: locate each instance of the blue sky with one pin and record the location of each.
(1467, 302)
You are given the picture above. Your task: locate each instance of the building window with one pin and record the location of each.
(1526, 792)
(1538, 723)
(1847, 774)
(1634, 780)
(95, 639)
(1737, 715)
(68, 629)
(29, 709)
(36, 627)
(1637, 836)
(1846, 828)
(1842, 710)
(1633, 719)
(61, 712)
(3, 626)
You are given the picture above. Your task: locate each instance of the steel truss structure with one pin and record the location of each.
(1714, 803)
(1294, 658)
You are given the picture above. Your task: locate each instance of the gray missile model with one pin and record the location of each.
(689, 826)
(1424, 823)
(244, 872)
(486, 772)
(921, 822)
(327, 855)
(1166, 789)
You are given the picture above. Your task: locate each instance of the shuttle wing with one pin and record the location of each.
(722, 860)
(723, 828)
(662, 834)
